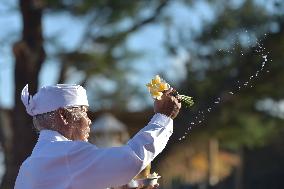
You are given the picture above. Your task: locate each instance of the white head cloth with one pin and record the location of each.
(50, 98)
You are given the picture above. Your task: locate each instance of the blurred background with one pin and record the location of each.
(227, 54)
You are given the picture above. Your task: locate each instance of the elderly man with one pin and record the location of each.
(63, 159)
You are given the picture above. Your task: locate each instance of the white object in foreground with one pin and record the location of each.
(151, 181)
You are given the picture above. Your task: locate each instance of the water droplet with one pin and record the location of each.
(199, 121)
(192, 123)
(267, 71)
(231, 93)
(183, 137)
(217, 102)
(209, 109)
(179, 139)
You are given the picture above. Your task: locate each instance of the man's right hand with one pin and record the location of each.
(168, 105)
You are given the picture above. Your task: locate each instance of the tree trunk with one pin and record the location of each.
(29, 56)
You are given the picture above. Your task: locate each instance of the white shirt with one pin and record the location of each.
(59, 163)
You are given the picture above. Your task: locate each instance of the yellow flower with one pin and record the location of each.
(149, 86)
(157, 86)
(157, 95)
(156, 80)
(163, 86)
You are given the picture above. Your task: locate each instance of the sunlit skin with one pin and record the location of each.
(168, 105)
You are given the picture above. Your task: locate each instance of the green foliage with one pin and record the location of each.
(247, 130)
(186, 101)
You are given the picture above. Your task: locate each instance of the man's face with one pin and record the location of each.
(80, 124)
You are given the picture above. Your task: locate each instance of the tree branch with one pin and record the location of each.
(151, 18)
(121, 36)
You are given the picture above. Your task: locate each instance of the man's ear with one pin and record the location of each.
(62, 116)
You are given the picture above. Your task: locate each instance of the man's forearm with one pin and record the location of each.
(152, 139)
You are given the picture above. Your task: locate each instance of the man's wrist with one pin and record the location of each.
(161, 119)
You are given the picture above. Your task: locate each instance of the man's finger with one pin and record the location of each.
(167, 92)
(178, 98)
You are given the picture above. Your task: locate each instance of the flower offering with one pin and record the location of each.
(157, 86)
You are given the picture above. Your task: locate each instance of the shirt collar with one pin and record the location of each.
(51, 136)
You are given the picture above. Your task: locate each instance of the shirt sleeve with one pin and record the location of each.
(152, 139)
(105, 167)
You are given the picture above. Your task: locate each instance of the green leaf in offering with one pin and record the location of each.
(157, 86)
(186, 100)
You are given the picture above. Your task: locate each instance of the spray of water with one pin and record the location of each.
(201, 117)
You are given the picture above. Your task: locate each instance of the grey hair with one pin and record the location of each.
(47, 120)
(41, 120)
